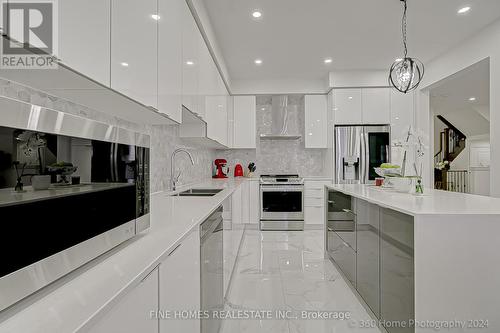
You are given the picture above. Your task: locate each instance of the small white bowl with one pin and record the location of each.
(401, 184)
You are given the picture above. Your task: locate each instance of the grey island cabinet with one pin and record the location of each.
(405, 256)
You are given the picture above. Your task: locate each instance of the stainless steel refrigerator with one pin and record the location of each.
(358, 150)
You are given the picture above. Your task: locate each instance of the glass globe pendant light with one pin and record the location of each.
(406, 73)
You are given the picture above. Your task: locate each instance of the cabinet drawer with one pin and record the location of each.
(314, 215)
(343, 255)
(314, 192)
(314, 202)
(316, 184)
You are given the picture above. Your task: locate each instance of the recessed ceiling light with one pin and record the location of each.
(350, 97)
(190, 63)
(463, 10)
(328, 60)
(155, 17)
(263, 109)
(256, 14)
(258, 61)
(472, 99)
(124, 64)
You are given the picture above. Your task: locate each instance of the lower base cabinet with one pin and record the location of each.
(377, 259)
(397, 279)
(368, 254)
(132, 313)
(179, 278)
(343, 255)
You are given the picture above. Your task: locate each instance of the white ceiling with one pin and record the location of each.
(450, 98)
(294, 36)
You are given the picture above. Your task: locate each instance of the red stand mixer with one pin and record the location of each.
(220, 168)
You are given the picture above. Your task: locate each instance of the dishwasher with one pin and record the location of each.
(212, 271)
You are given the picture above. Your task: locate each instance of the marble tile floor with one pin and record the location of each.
(286, 271)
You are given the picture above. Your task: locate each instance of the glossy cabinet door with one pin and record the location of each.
(316, 122)
(348, 107)
(397, 281)
(132, 313)
(341, 233)
(190, 60)
(402, 114)
(180, 284)
(376, 106)
(216, 118)
(254, 192)
(134, 51)
(84, 37)
(343, 255)
(170, 66)
(314, 202)
(368, 254)
(245, 119)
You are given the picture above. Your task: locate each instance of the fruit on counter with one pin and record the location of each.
(62, 164)
(389, 166)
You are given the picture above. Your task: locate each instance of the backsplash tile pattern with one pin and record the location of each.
(274, 156)
(164, 138)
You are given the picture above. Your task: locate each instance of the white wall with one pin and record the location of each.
(481, 46)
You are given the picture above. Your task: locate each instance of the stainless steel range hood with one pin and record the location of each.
(280, 118)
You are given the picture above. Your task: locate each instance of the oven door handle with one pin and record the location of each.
(289, 188)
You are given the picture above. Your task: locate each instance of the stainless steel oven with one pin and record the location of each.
(95, 200)
(282, 203)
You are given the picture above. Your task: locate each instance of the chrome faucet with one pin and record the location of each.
(174, 178)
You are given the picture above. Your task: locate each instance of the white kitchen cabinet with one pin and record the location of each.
(376, 106)
(254, 201)
(402, 115)
(84, 37)
(216, 118)
(314, 202)
(206, 76)
(348, 107)
(316, 121)
(179, 281)
(244, 128)
(170, 65)
(134, 51)
(132, 313)
(190, 60)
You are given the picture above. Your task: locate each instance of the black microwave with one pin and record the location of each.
(70, 189)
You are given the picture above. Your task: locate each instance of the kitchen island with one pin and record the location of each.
(418, 262)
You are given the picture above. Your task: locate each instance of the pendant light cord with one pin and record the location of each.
(403, 27)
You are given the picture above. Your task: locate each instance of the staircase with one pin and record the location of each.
(451, 144)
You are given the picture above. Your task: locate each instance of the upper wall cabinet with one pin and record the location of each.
(316, 121)
(402, 114)
(244, 115)
(84, 37)
(376, 106)
(216, 118)
(190, 61)
(134, 49)
(170, 58)
(348, 106)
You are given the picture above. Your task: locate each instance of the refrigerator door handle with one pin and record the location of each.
(366, 158)
(362, 159)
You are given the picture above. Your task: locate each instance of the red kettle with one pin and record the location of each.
(238, 170)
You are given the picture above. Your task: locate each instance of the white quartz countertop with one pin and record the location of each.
(9, 197)
(433, 202)
(70, 303)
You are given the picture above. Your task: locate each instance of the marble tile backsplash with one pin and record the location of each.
(164, 138)
(274, 156)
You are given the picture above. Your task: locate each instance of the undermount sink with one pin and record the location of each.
(199, 192)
